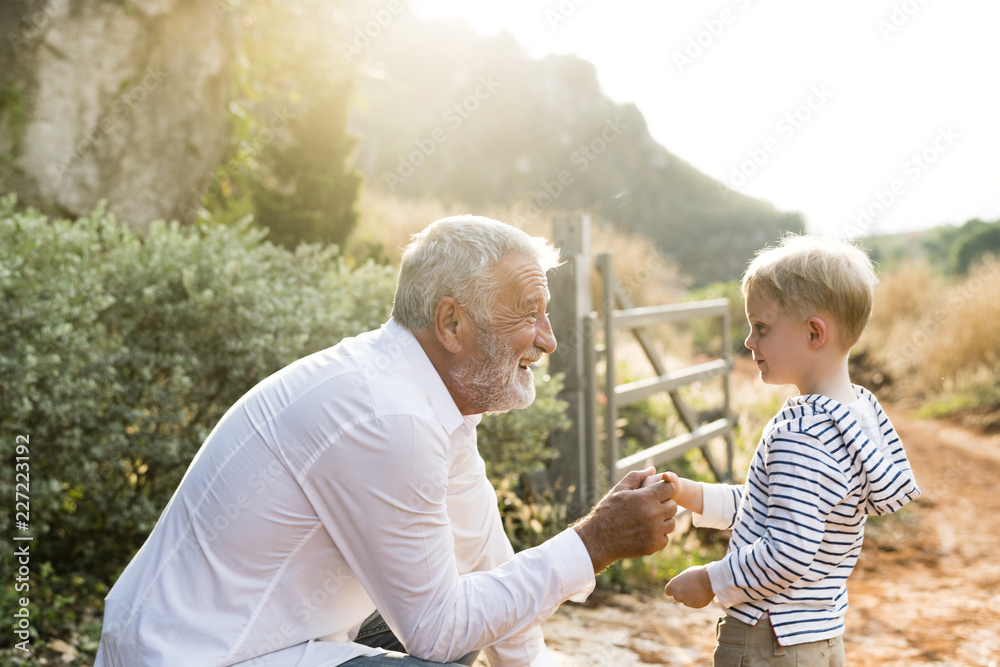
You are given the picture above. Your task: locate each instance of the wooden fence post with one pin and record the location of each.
(569, 313)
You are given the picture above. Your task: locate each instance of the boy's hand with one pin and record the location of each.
(657, 477)
(692, 587)
(688, 494)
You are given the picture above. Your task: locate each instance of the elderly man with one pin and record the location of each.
(350, 482)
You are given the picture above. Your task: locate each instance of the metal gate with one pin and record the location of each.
(578, 329)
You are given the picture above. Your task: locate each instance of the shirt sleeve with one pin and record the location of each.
(482, 544)
(802, 487)
(720, 502)
(383, 495)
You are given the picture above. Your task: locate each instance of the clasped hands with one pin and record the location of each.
(692, 587)
(635, 519)
(632, 520)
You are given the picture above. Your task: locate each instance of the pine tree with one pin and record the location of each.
(310, 190)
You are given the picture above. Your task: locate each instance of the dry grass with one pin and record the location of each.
(931, 336)
(388, 222)
(937, 339)
(975, 336)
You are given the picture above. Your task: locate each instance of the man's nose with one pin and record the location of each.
(544, 337)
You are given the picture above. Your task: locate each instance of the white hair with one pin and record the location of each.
(456, 257)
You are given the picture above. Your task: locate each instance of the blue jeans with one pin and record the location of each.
(375, 633)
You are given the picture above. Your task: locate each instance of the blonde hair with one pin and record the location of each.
(814, 274)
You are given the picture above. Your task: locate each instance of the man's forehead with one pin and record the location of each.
(524, 276)
(535, 295)
(530, 282)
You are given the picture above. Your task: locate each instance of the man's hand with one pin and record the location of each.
(692, 587)
(629, 521)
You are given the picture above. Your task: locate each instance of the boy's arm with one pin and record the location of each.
(693, 586)
(713, 505)
(806, 485)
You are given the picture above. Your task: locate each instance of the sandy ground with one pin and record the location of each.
(926, 590)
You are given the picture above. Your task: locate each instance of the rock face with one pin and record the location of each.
(467, 118)
(108, 99)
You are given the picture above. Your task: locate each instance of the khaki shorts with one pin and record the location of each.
(742, 645)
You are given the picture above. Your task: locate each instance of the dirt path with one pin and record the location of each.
(926, 590)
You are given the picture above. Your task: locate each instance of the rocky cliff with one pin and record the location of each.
(120, 100)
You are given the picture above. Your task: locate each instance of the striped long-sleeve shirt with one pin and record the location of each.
(798, 521)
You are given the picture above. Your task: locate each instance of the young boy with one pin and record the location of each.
(828, 459)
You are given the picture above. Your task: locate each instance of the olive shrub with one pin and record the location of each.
(120, 351)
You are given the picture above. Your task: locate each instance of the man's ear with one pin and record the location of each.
(449, 321)
(818, 332)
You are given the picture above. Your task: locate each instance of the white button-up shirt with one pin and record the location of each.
(346, 482)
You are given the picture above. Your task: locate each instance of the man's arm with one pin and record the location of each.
(381, 492)
(481, 544)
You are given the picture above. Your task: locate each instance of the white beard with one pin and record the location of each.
(495, 382)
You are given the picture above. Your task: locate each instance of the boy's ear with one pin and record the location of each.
(448, 323)
(818, 331)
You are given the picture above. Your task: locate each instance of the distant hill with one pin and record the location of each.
(950, 249)
(447, 113)
(889, 250)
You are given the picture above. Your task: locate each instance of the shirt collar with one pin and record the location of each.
(440, 398)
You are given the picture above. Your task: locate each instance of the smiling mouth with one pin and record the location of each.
(526, 362)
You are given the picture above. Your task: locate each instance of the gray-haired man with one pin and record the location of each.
(350, 482)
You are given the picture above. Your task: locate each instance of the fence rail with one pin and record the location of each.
(640, 389)
(636, 320)
(671, 449)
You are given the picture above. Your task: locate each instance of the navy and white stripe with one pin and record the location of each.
(798, 521)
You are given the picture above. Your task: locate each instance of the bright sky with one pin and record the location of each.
(868, 116)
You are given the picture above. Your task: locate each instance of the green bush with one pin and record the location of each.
(516, 442)
(978, 241)
(514, 445)
(119, 353)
